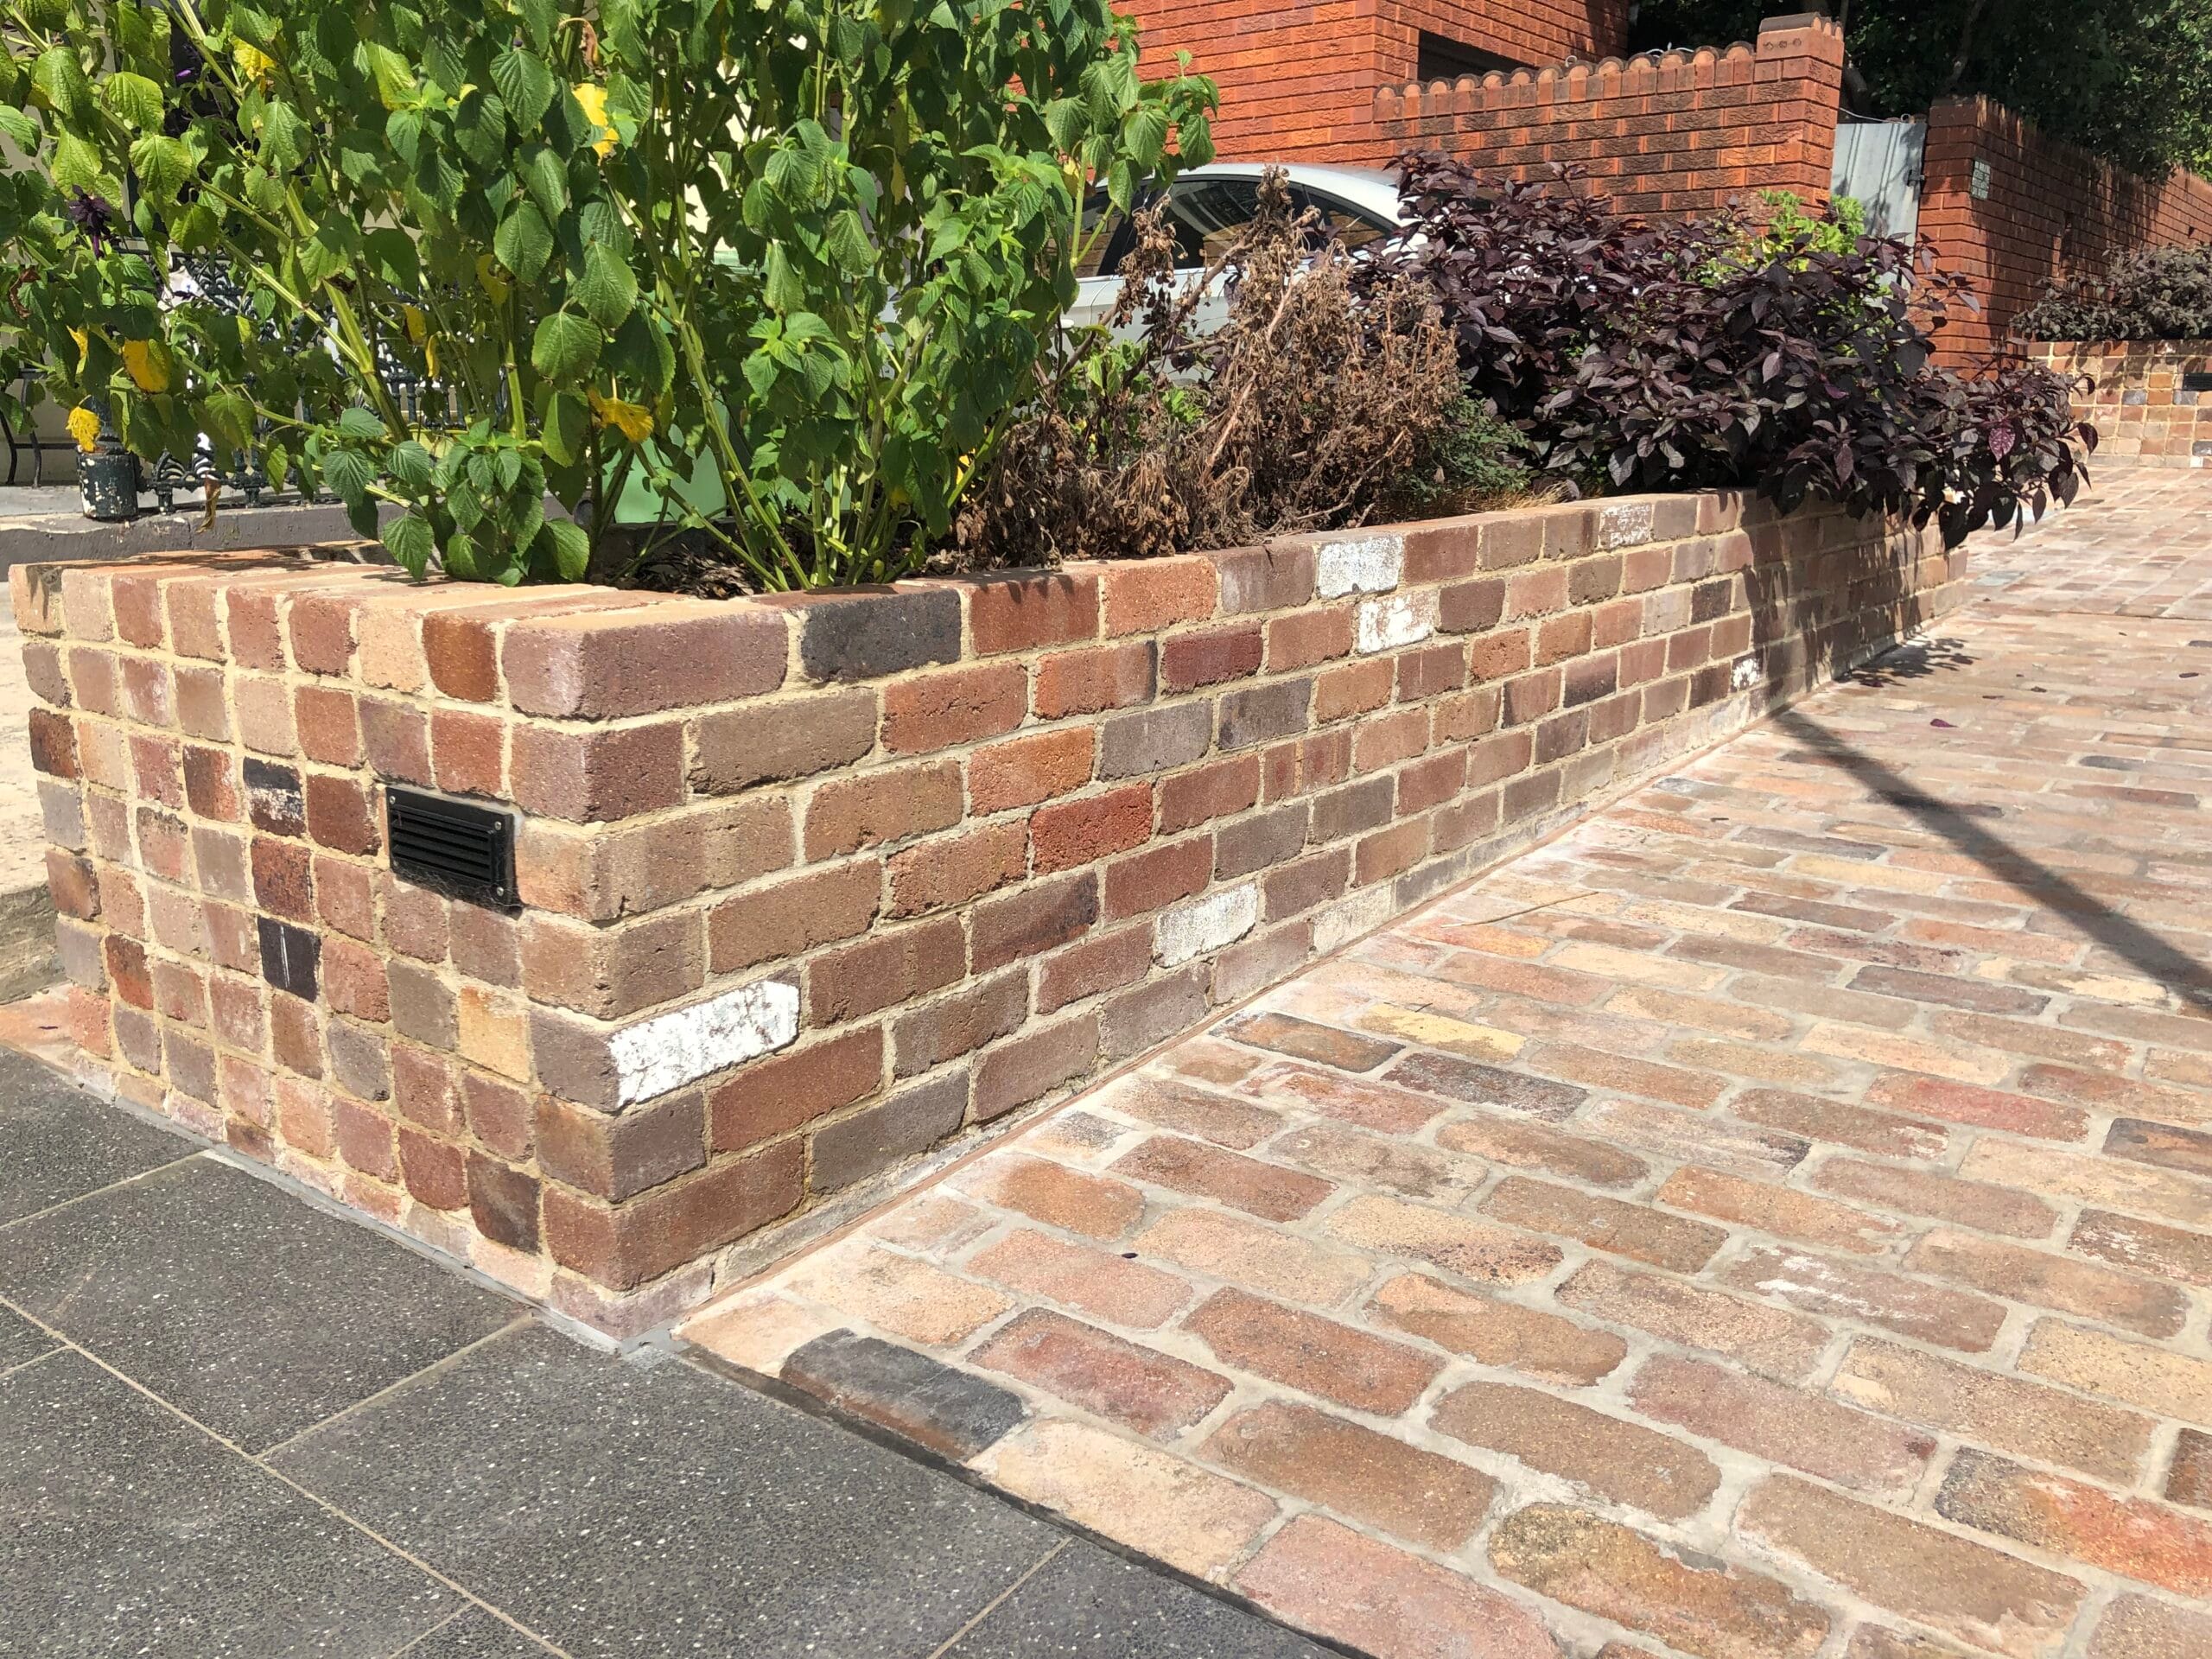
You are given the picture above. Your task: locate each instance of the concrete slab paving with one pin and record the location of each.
(197, 1457)
(62, 1143)
(218, 1290)
(129, 1530)
(1775, 1218)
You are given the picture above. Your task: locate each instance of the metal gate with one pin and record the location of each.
(1879, 165)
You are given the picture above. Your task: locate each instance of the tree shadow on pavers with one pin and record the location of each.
(1914, 659)
(2167, 965)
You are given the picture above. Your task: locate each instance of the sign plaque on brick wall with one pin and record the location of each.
(1983, 178)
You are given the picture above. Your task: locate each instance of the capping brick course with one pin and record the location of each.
(814, 886)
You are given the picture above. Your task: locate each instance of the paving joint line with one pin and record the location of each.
(1000, 1600)
(25, 1364)
(441, 1364)
(774, 1388)
(127, 1180)
(283, 1479)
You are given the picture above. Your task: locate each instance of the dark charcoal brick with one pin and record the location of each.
(868, 634)
(947, 1411)
(1130, 746)
(290, 956)
(912, 1121)
(1265, 713)
(2187, 1150)
(273, 798)
(1486, 1085)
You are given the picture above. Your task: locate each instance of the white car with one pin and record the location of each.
(1209, 206)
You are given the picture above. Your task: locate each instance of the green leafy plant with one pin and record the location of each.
(788, 265)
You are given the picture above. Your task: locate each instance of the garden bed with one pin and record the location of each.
(810, 889)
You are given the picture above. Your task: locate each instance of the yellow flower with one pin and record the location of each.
(84, 346)
(253, 63)
(592, 97)
(418, 324)
(85, 427)
(148, 362)
(632, 421)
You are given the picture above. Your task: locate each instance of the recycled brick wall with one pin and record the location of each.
(1298, 82)
(812, 886)
(2051, 209)
(2141, 410)
(1676, 133)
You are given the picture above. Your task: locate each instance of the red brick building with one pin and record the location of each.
(1298, 82)
(1525, 86)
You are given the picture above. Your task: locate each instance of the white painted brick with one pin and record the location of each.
(1206, 923)
(684, 1044)
(1628, 524)
(1402, 620)
(1348, 919)
(1371, 564)
(1746, 674)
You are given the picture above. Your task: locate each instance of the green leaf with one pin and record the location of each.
(565, 347)
(1144, 135)
(1194, 141)
(566, 428)
(393, 75)
(546, 180)
(326, 255)
(462, 562)
(410, 465)
(76, 165)
(1064, 120)
(18, 129)
(163, 165)
(847, 244)
(526, 84)
(641, 355)
(284, 137)
(605, 287)
(571, 548)
(228, 417)
(135, 100)
(394, 258)
(59, 81)
(348, 473)
(524, 242)
(411, 543)
(355, 421)
(782, 288)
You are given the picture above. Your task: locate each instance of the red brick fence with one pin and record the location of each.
(811, 887)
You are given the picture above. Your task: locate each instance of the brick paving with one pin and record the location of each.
(1773, 1219)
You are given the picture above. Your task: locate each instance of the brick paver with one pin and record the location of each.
(1775, 1218)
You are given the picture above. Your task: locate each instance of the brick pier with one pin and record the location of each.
(1773, 1219)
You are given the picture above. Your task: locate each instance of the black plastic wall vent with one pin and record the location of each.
(2197, 380)
(468, 851)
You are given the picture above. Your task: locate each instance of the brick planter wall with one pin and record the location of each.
(2141, 410)
(813, 886)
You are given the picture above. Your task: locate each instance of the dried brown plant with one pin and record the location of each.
(1305, 411)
